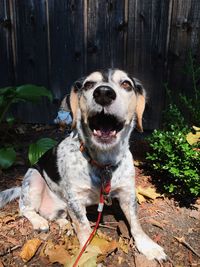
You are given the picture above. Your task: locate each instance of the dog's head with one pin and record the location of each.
(104, 105)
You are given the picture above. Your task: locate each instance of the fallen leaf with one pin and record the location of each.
(140, 198)
(88, 259)
(148, 192)
(155, 223)
(96, 252)
(9, 218)
(55, 253)
(136, 163)
(123, 245)
(193, 138)
(30, 248)
(59, 254)
(105, 246)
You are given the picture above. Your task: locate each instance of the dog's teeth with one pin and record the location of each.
(97, 132)
(113, 133)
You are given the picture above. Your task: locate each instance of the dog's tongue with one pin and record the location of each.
(104, 134)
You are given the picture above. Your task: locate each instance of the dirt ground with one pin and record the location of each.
(175, 227)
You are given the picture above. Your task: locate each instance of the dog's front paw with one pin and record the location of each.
(150, 249)
(40, 225)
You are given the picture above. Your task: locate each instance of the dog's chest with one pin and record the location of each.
(82, 181)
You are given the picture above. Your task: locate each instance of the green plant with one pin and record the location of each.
(175, 161)
(175, 154)
(28, 92)
(7, 157)
(12, 95)
(36, 150)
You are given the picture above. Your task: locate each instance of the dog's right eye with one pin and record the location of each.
(89, 85)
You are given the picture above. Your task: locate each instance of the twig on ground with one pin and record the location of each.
(182, 241)
(104, 226)
(10, 249)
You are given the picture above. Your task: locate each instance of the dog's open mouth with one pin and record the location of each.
(105, 126)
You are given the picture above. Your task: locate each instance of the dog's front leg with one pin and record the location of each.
(82, 227)
(143, 243)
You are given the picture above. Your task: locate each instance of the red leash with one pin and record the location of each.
(104, 196)
(100, 209)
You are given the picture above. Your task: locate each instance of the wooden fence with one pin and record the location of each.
(54, 42)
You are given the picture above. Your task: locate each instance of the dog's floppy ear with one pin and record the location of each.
(140, 105)
(74, 99)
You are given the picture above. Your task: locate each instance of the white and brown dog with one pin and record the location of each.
(105, 106)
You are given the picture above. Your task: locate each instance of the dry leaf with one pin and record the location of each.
(30, 248)
(148, 192)
(136, 163)
(9, 218)
(98, 249)
(140, 198)
(55, 253)
(88, 259)
(105, 246)
(193, 138)
(59, 254)
(155, 223)
(123, 245)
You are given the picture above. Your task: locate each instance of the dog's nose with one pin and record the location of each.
(104, 95)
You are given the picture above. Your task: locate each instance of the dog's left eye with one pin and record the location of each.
(89, 85)
(126, 85)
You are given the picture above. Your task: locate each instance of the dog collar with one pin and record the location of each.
(106, 171)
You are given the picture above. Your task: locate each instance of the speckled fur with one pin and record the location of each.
(41, 198)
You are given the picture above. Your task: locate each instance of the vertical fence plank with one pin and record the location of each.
(146, 51)
(30, 33)
(6, 63)
(66, 29)
(117, 33)
(184, 38)
(98, 45)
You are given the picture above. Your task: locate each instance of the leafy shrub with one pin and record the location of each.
(175, 161)
(175, 153)
(12, 95)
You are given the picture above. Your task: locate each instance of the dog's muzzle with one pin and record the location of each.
(104, 95)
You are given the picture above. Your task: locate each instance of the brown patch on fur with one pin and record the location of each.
(139, 111)
(131, 108)
(74, 105)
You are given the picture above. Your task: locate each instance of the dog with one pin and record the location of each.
(106, 105)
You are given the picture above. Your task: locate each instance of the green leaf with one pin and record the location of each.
(7, 157)
(32, 92)
(36, 150)
(10, 120)
(7, 90)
